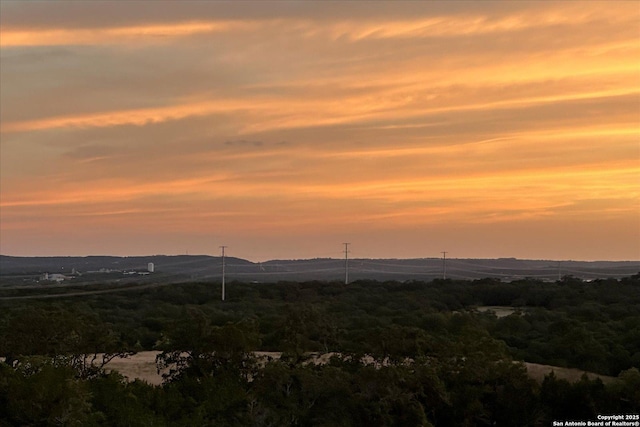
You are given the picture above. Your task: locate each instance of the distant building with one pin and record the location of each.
(54, 277)
(150, 267)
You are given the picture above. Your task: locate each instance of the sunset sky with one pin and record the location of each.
(283, 129)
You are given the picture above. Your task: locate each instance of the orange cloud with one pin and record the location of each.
(98, 36)
(136, 117)
(443, 26)
(355, 29)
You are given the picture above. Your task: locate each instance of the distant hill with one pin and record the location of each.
(202, 267)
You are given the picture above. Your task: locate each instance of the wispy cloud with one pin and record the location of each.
(114, 35)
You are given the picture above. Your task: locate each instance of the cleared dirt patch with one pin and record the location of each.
(142, 366)
(538, 372)
(500, 311)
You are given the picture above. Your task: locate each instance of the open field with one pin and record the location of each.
(499, 311)
(142, 366)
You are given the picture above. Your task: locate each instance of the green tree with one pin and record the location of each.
(68, 337)
(39, 392)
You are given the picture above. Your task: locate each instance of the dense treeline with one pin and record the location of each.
(410, 354)
(594, 326)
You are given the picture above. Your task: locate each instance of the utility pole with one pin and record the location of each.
(559, 272)
(444, 265)
(222, 247)
(346, 263)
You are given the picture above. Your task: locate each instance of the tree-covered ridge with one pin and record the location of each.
(411, 353)
(20, 271)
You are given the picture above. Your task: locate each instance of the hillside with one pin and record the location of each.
(203, 267)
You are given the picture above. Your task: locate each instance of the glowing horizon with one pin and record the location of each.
(492, 130)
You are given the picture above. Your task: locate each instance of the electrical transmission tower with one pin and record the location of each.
(444, 265)
(223, 247)
(346, 263)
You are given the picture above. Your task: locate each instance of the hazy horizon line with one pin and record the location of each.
(319, 258)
